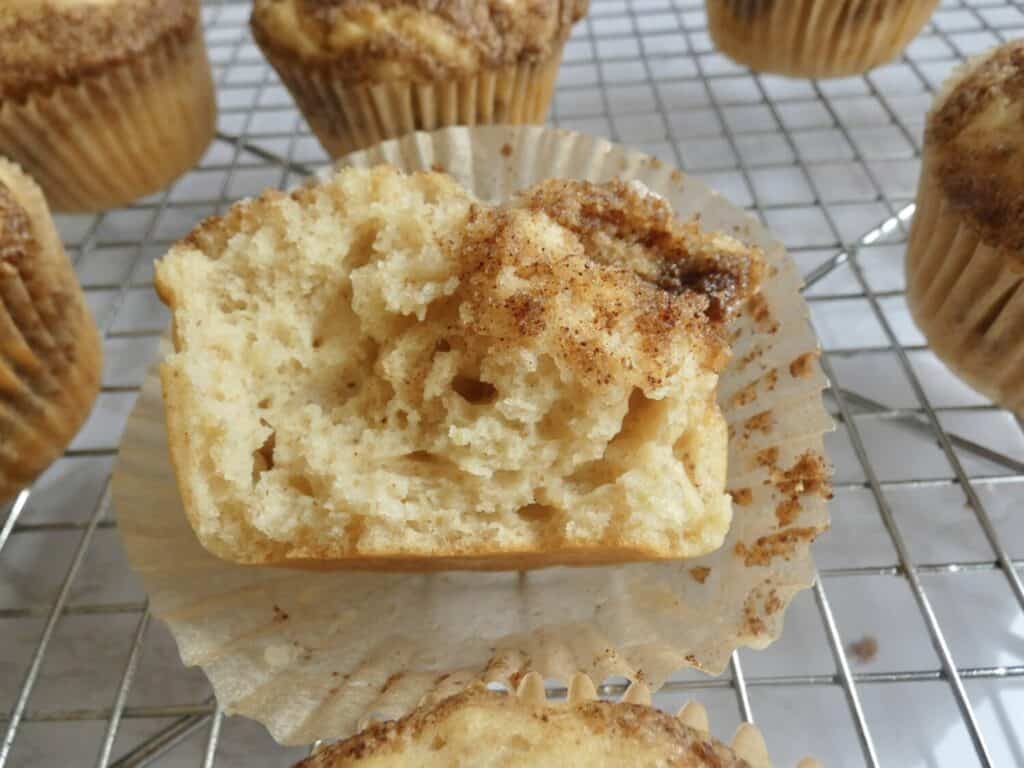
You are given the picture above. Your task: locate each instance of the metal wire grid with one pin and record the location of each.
(830, 166)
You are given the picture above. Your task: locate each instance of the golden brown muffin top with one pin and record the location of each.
(45, 43)
(378, 40)
(976, 137)
(485, 728)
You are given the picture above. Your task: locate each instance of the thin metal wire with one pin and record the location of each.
(130, 667)
(867, 743)
(912, 418)
(210, 753)
(161, 743)
(122, 692)
(910, 572)
(740, 686)
(47, 635)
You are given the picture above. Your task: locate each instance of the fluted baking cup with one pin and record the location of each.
(118, 135)
(966, 296)
(347, 117)
(311, 654)
(748, 743)
(50, 351)
(815, 38)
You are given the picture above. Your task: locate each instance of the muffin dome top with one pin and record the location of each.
(413, 39)
(976, 136)
(44, 43)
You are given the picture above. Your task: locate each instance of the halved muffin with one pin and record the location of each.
(382, 372)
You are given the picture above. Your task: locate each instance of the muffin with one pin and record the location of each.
(815, 38)
(382, 372)
(965, 257)
(366, 70)
(49, 347)
(487, 729)
(103, 101)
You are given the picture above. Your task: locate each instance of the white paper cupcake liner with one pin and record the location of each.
(966, 296)
(50, 351)
(347, 117)
(311, 655)
(815, 38)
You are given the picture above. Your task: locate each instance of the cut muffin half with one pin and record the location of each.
(380, 371)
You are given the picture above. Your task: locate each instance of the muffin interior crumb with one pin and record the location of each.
(382, 365)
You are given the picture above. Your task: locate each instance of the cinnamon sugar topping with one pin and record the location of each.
(643, 271)
(43, 44)
(413, 39)
(977, 146)
(782, 544)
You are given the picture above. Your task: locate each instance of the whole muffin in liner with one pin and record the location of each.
(50, 353)
(312, 654)
(526, 728)
(104, 104)
(965, 257)
(815, 38)
(363, 72)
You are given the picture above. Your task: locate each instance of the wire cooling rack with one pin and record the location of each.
(910, 650)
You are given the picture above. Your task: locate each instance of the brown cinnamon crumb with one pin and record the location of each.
(746, 395)
(769, 457)
(742, 497)
(752, 620)
(750, 357)
(781, 544)
(279, 614)
(787, 511)
(506, 150)
(760, 422)
(700, 573)
(803, 366)
(864, 650)
(809, 474)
